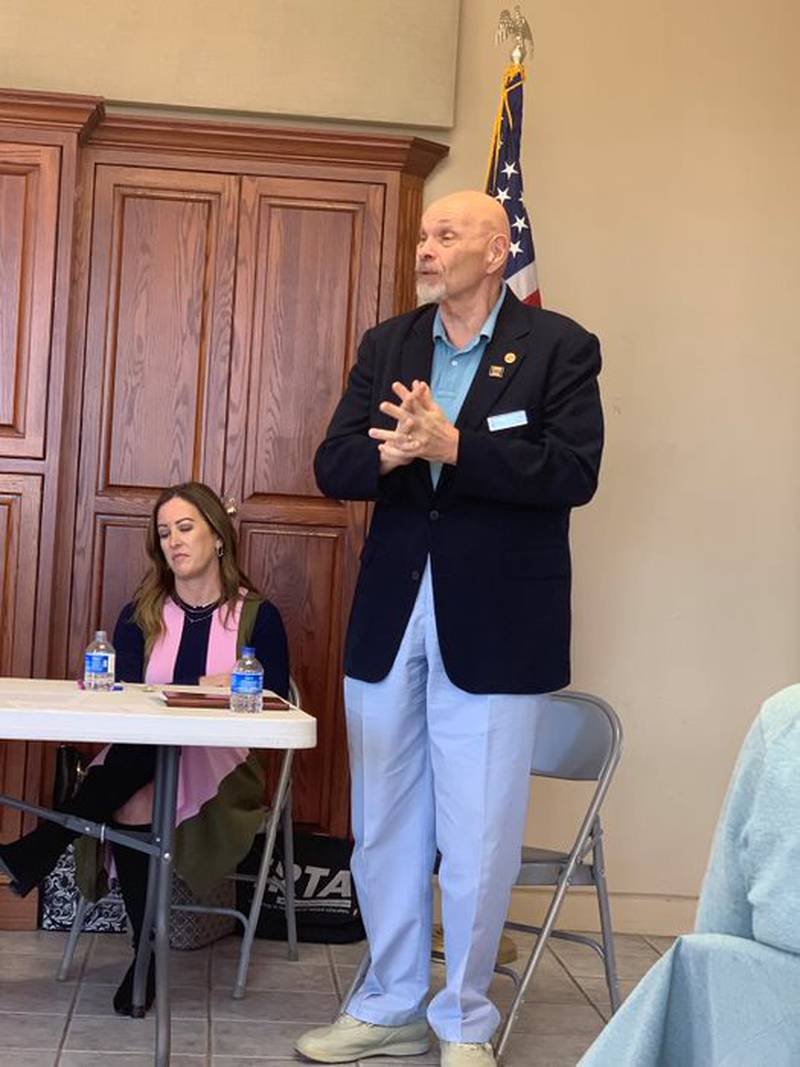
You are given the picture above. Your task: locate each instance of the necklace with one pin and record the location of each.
(198, 612)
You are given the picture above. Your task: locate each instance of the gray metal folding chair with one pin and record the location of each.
(260, 881)
(578, 738)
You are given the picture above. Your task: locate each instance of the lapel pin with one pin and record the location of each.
(496, 371)
(510, 357)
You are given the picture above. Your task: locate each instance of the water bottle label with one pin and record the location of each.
(99, 663)
(247, 683)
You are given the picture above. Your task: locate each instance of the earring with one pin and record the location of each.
(220, 550)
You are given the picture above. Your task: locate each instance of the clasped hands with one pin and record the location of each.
(423, 430)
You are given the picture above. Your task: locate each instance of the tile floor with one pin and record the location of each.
(44, 1023)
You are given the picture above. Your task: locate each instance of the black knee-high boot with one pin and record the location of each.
(104, 789)
(132, 869)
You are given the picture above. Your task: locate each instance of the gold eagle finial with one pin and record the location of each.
(514, 25)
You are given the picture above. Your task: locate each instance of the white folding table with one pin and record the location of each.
(44, 710)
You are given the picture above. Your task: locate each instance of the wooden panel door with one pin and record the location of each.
(160, 302)
(29, 186)
(20, 508)
(29, 192)
(38, 151)
(20, 761)
(307, 287)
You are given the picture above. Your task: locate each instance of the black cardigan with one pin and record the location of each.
(268, 638)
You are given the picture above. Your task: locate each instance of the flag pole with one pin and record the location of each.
(504, 169)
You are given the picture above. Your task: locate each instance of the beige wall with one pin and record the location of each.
(662, 167)
(353, 59)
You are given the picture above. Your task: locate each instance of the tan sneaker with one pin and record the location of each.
(351, 1039)
(467, 1054)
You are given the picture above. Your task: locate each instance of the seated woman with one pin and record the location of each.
(728, 995)
(193, 612)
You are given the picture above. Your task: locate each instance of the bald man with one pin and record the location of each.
(474, 423)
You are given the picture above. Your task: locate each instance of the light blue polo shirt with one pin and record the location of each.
(453, 369)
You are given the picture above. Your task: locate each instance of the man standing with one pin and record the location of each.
(474, 422)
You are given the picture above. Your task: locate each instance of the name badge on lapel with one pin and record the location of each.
(507, 420)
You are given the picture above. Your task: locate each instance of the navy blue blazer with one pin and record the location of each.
(496, 527)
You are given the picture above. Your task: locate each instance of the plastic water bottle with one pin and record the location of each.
(247, 683)
(98, 663)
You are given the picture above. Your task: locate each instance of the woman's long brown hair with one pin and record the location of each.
(159, 581)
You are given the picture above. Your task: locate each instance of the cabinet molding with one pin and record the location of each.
(239, 140)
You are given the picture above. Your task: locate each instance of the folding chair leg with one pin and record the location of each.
(610, 956)
(261, 882)
(288, 877)
(530, 967)
(72, 940)
(358, 978)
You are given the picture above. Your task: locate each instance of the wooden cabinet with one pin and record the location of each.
(29, 188)
(39, 138)
(183, 300)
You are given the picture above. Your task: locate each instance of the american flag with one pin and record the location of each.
(504, 183)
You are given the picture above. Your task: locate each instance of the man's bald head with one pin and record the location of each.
(463, 246)
(470, 205)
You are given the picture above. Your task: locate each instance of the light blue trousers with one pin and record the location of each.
(434, 767)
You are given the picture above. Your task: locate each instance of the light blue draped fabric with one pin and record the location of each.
(729, 994)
